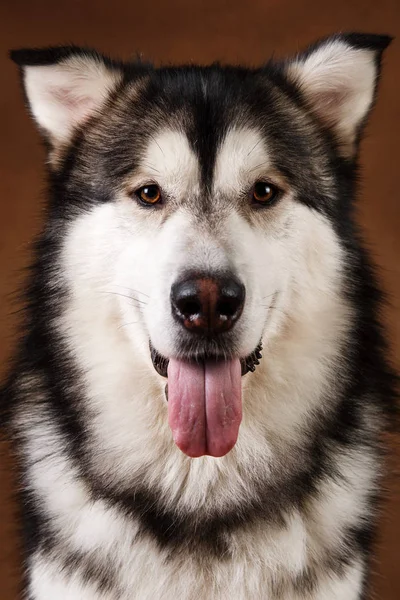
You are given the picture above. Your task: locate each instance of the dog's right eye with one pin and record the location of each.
(149, 195)
(264, 193)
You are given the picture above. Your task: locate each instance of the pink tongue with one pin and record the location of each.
(205, 406)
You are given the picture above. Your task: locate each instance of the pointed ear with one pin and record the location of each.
(65, 86)
(338, 79)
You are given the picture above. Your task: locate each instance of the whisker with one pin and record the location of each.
(128, 288)
(126, 296)
(257, 167)
(127, 324)
(278, 309)
(154, 139)
(151, 167)
(254, 147)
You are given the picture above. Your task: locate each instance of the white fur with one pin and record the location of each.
(169, 161)
(242, 159)
(347, 587)
(260, 556)
(64, 95)
(339, 82)
(337, 506)
(49, 582)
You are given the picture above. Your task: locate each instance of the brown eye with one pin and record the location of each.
(265, 193)
(149, 194)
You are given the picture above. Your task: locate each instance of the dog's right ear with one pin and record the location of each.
(65, 86)
(338, 78)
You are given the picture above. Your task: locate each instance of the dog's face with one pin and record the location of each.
(200, 201)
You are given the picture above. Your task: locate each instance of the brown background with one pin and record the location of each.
(192, 30)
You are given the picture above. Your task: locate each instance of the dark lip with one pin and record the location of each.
(249, 364)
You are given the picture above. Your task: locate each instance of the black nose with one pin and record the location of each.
(208, 304)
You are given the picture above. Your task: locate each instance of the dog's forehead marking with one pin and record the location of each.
(240, 158)
(170, 161)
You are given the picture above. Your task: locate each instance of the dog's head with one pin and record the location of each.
(206, 201)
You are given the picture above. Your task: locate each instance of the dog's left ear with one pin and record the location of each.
(64, 87)
(338, 78)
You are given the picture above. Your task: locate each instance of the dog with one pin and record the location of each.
(198, 399)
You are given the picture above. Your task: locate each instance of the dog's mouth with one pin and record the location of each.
(205, 400)
(248, 364)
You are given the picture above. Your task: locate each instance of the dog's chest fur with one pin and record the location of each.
(262, 563)
(103, 550)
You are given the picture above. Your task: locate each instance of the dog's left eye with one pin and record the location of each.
(149, 195)
(264, 193)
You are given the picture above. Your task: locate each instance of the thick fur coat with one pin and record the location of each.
(112, 508)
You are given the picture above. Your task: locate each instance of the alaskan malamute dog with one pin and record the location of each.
(199, 396)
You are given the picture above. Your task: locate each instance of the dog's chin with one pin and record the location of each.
(248, 364)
